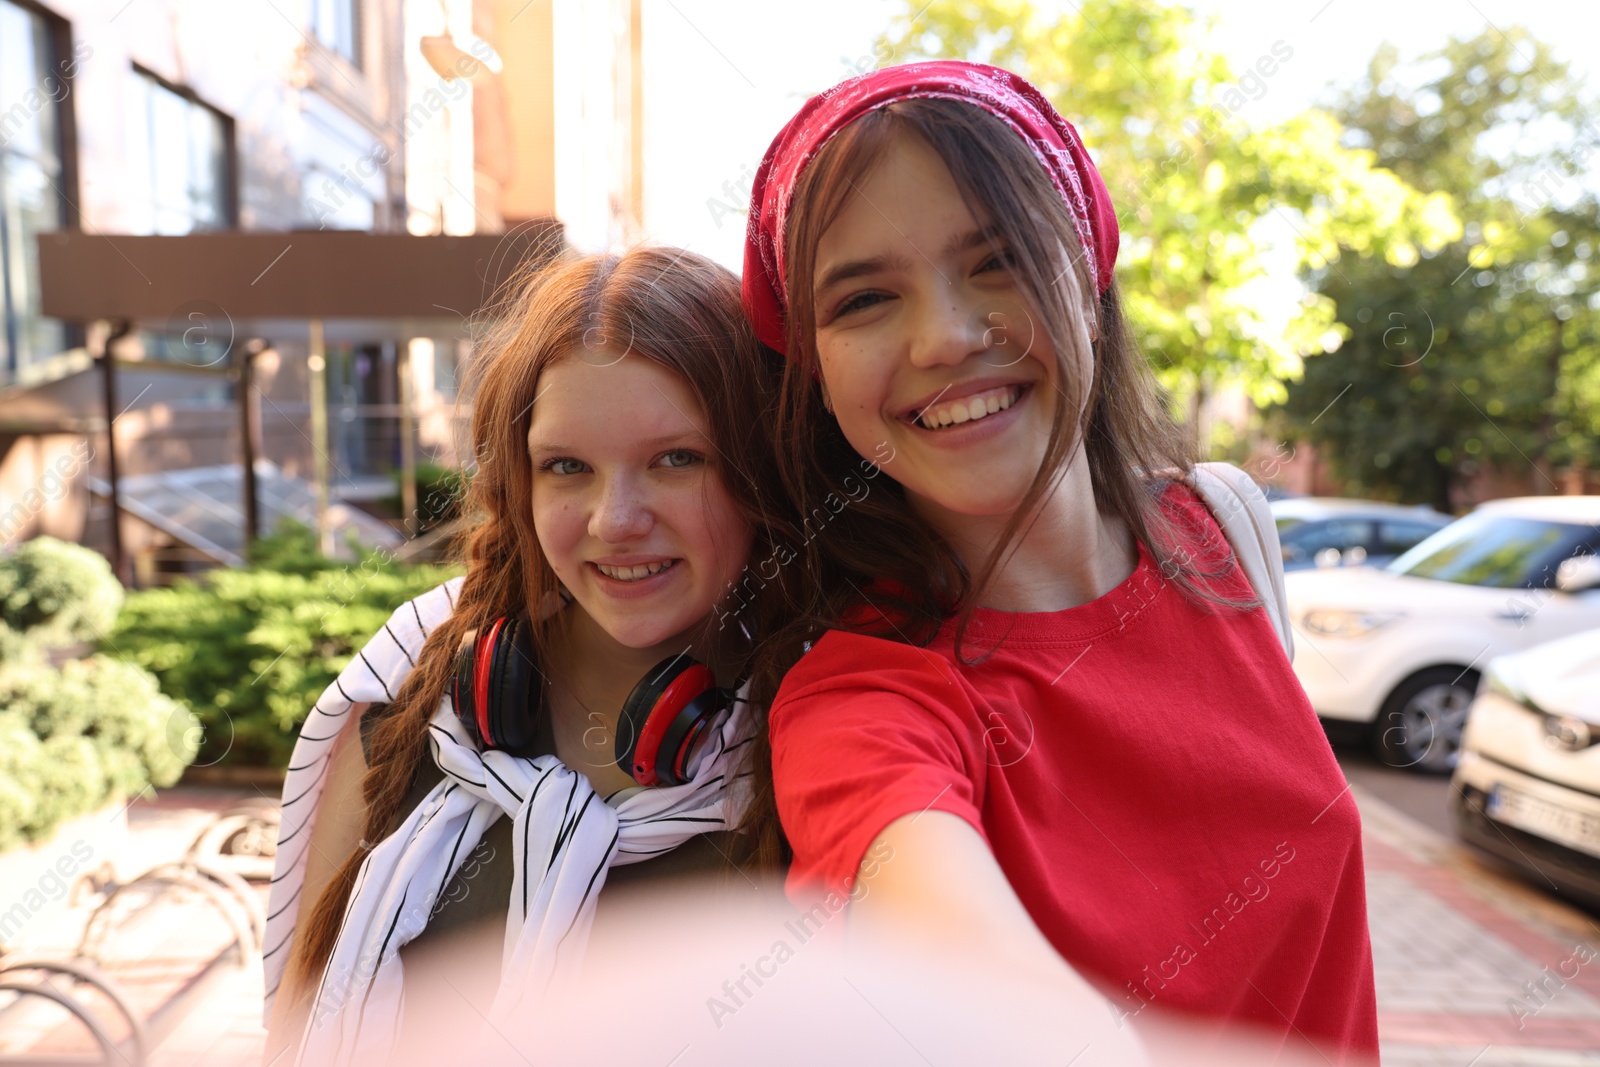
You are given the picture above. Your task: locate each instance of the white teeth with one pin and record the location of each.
(969, 409)
(635, 573)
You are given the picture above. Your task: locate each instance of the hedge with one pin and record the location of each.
(250, 650)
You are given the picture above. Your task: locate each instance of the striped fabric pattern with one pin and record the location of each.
(565, 839)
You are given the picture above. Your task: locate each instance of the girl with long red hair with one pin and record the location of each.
(518, 744)
(1036, 674)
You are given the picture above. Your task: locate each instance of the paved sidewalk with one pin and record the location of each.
(1475, 968)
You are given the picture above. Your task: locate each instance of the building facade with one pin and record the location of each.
(182, 116)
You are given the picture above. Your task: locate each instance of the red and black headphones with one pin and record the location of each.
(496, 692)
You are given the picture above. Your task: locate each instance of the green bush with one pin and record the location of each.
(250, 650)
(16, 648)
(73, 737)
(96, 728)
(55, 593)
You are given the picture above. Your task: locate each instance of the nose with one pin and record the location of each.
(946, 328)
(623, 512)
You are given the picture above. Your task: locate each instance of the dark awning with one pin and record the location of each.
(258, 277)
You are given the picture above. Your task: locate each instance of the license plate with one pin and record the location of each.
(1575, 829)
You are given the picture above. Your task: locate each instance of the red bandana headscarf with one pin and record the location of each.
(1001, 93)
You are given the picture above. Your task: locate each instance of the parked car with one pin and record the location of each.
(1527, 787)
(1320, 531)
(1401, 647)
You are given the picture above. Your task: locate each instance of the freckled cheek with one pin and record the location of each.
(560, 528)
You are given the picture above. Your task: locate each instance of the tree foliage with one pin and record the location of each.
(1485, 351)
(1193, 183)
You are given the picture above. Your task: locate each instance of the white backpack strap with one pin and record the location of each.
(1242, 511)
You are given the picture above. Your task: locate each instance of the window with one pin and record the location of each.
(1501, 551)
(1307, 539)
(188, 164)
(363, 412)
(189, 148)
(1396, 537)
(448, 360)
(337, 24)
(35, 82)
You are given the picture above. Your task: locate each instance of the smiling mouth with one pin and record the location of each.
(636, 573)
(968, 408)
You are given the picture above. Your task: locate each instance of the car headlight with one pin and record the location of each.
(1331, 623)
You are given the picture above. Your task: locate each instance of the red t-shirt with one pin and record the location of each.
(1148, 773)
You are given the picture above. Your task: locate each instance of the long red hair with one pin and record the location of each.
(674, 307)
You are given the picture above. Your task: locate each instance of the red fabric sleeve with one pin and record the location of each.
(864, 731)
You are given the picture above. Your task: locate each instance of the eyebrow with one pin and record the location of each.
(983, 235)
(535, 445)
(855, 268)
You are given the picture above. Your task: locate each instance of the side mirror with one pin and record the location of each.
(1579, 574)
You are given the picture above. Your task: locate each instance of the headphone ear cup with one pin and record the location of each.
(461, 692)
(513, 687)
(652, 709)
(682, 736)
(495, 688)
(636, 709)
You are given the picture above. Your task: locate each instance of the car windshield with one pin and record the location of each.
(1503, 551)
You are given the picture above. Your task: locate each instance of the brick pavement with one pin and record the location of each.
(1474, 968)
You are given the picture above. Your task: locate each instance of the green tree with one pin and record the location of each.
(1191, 182)
(1484, 352)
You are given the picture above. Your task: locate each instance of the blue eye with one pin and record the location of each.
(561, 465)
(681, 457)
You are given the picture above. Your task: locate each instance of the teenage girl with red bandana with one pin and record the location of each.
(1037, 678)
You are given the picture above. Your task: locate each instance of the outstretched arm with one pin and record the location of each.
(931, 881)
(934, 891)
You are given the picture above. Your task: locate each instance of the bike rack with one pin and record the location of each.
(226, 891)
(239, 843)
(137, 1043)
(243, 839)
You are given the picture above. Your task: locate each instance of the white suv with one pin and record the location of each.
(1401, 647)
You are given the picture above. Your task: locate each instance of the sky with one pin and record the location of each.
(723, 76)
